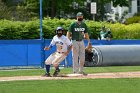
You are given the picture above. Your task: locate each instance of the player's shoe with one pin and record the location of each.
(47, 75)
(85, 74)
(56, 72)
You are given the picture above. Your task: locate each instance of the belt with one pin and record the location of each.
(61, 52)
(79, 40)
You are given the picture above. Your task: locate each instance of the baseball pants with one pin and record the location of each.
(55, 58)
(78, 54)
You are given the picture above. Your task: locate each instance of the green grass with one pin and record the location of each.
(72, 86)
(122, 85)
(33, 72)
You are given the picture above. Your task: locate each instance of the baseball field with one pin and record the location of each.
(122, 81)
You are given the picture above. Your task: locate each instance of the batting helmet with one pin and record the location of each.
(58, 29)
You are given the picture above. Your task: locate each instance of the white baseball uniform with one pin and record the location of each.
(62, 44)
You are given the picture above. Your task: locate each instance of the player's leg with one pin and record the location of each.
(58, 59)
(57, 70)
(47, 70)
(82, 58)
(48, 63)
(75, 54)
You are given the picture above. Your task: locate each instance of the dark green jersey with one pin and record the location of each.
(78, 30)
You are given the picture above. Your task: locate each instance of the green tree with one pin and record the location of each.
(62, 8)
(28, 9)
(101, 6)
(120, 2)
(8, 9)
(5, 12)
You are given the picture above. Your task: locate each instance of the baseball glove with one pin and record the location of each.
(88, 53)
(88, 48)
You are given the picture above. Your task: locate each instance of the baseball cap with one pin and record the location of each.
(79, 14)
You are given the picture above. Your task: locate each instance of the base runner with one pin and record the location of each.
(63, 45)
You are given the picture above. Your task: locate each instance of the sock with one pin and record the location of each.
(47, 68)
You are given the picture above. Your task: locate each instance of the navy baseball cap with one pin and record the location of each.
(59, 28)
(79, 14)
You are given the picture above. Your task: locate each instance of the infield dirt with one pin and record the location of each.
(76, 76)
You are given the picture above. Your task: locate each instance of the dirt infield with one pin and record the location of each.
(76, 76)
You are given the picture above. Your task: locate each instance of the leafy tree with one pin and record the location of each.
(9, 8)
(5, 12)
(101, 6)
(28, 9)
(120, 2)
(62, 8)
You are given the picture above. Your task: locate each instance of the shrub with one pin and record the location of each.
(135, 19)
(31, 29)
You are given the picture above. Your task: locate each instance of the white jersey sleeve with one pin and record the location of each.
(52, 42)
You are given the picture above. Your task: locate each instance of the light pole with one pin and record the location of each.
(41, 34)
(41, 37)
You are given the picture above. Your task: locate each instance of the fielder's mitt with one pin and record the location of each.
(88, 53)
(89, 48)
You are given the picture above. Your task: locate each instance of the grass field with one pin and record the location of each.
(122, 85)
(72, 86)
(33, 72)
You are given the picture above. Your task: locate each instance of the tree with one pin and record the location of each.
(5, 12)
(28, 9)
(101, 6)
(120, 3)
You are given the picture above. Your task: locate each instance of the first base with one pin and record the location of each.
(71, 75)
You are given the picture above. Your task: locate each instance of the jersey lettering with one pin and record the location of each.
(59, 45)
(79, 29)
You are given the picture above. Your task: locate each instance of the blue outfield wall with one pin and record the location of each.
(29, 52)
(20, 52)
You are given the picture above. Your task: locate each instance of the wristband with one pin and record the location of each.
(50, 46)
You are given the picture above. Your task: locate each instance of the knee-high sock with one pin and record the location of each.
(47, 68)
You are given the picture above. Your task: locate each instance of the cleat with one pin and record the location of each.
(47, 75)
(85, 74)
(55, 74)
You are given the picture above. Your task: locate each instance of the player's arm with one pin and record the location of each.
(89, 46)
(69, 35)
(69, 49)
(50, 46)
(69, 32)
(69, 46)
(87, 37)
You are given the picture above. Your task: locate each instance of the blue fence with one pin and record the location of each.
(20, 52)
(29, 52)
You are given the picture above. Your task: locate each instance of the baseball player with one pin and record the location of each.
(63, 45)
(77, 32)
